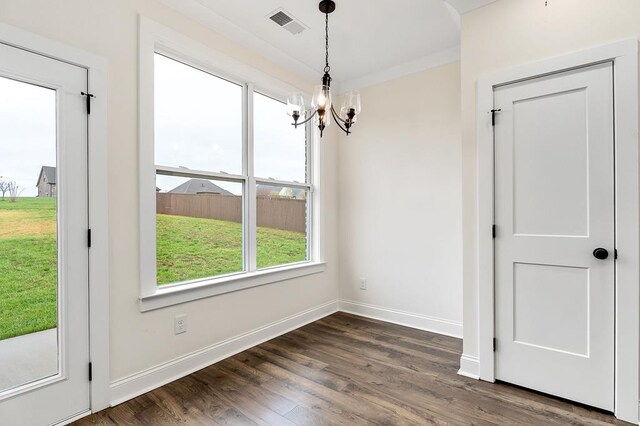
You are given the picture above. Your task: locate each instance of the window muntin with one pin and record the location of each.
(280, 149)
(177, 163)
(198, 118)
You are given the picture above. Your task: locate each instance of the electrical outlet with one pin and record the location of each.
(180, 324)
(363, 283)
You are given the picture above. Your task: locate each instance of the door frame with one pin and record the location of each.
(624, 56)
(98, 198)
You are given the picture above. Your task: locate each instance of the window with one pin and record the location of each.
(280, 149)
(281, 236)
(281, 210)
(198, 229)
(198, 119)
(198, 129)
(227, 195)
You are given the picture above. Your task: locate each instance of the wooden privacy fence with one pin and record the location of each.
(279, 213)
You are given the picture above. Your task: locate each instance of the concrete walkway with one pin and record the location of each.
(28, 358)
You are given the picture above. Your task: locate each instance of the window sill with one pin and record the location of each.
(188, 292)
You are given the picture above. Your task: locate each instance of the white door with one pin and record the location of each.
(554, 206)
(44, 342)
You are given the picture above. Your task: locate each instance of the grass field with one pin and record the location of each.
(188, 248)
(27, 266)
(191, 248)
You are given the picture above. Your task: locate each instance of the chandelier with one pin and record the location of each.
(322, 108)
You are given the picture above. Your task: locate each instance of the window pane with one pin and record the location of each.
(198, 228)
(198, 119)
(280, 149)
(28, 234)
(282, 225)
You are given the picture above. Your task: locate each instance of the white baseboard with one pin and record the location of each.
(422, 322)
(137, 384)
(130, 387)
(469, 367)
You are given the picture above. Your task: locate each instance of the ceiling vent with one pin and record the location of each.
(287, 21)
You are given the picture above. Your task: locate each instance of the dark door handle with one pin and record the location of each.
(600, 253)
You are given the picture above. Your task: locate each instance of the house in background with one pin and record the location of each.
(47, 182)
(268, 191)
(199, 186)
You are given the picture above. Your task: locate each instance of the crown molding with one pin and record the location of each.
(455, 15)
(464, 6)
(427, 62)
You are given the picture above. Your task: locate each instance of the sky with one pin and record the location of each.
(27, 133)
(198, 125)
(204, 132)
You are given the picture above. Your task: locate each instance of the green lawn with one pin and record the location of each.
(188, 248)
(27, 266)
(191, 248)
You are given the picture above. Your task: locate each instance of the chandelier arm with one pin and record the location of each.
(337, 117)
(307, 120)
(333, 113)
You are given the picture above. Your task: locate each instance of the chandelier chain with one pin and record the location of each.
(327, 68)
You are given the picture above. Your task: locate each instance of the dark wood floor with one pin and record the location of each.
(345, 370)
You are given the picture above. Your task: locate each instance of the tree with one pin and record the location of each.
(4, 187)
(14, 191)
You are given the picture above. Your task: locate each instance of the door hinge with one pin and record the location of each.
(493, 231)
(90, 371)
(88, 97)
(615, 254)
(89, 237)
(495, 344)
(493, 115)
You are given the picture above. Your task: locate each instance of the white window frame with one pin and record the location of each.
(155, 38)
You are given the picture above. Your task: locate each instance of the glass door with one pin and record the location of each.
(44, 348)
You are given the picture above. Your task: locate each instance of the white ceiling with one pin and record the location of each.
(370, 40)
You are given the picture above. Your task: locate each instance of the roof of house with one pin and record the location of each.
(199, 186)
(49, 174)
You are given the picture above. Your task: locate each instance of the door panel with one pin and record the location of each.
(44, 342)
(554, 205)
(541, 206)
(550, 289)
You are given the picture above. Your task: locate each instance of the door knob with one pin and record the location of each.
(600, 253)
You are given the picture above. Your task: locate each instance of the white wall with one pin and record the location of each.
(509, 33)
(141, 341)
(401, 204)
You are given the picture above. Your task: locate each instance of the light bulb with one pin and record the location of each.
(321, 98)
(323, 115)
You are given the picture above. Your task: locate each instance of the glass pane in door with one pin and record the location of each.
(28, 234)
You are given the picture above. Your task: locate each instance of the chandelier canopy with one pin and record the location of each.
(322, 108)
